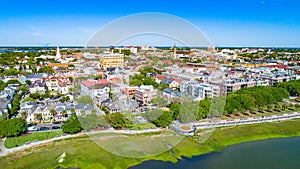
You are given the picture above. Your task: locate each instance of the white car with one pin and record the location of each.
(32, 128)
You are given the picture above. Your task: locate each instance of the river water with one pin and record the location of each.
(266, 154)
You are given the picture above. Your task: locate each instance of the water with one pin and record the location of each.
(267, 154)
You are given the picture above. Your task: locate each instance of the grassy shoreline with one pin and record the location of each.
(84, 153)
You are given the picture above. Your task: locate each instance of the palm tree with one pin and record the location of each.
(72, 110)
(64, 112)
(24, 114)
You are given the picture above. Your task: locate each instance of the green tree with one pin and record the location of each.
(153, 114)
(136, 82)
(72, 125)
(92, 121)
(28, 82)
(85, 100)
(175, 109)
(46, 69)
(12, 127)
(118, 121)
(164, 120)
(188, 111)
(159, 100)
(204, 106)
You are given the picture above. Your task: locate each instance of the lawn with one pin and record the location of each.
(13, 141)
(82, 152)
(143, 126)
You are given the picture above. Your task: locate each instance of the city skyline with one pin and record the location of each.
(246, 23)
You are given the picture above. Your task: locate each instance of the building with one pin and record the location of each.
(38, 86)
(172, 84)
(6, 98)
(95, 88)
(108, 60)
(58, 84)
(144, 94)
(199, 91)
(233, 85)
(129, 90)
(28, 107)
(171, 94)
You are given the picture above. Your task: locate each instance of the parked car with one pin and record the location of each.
(32, 128)
(55, 127)
(44, 128)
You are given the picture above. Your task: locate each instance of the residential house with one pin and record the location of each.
(6, 98)
(60, 84)
(144, 94)
(172, 84)
(129, 90)
(34, 77)
(95, 88)
(171, 94)
(38, 86)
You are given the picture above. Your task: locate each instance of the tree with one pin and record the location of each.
(92, 121)
(71, 79)
(118, 121)
(24, 114)
(136, 82)
(204, 106)
(64, 112)
(153, 114)
(160, 101)
(23, 89)
(65, 99)
(11, 72)
(12, 127)
(85, 100)
(163, 86)
(72, 125)
(52, 111)
(12, 81)
(72, 110)
(28, 82)
(164, 120)
(188, 111)
(15, 104)
(46, 69)
(175, 109)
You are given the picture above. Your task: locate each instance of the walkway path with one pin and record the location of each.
(223, 123)
(4, 151)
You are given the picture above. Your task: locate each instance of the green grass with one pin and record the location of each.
(13, 141)
(143, 126)
(84, 153)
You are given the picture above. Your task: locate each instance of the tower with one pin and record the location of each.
(174, 52)
(58, 56)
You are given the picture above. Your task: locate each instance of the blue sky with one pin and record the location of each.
(225, 23)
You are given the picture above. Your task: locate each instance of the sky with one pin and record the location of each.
(224, 23)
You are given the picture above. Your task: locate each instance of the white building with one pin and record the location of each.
(199, 91)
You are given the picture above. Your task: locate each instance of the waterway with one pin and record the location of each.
(266, 154)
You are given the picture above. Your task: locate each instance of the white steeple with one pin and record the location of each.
(58, 56)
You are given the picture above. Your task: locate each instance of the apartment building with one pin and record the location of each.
(108, 60)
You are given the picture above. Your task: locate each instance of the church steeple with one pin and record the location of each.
(174, 52)
(58, 56)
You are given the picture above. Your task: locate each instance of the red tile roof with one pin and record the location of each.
(93, 82)
(160, 77)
